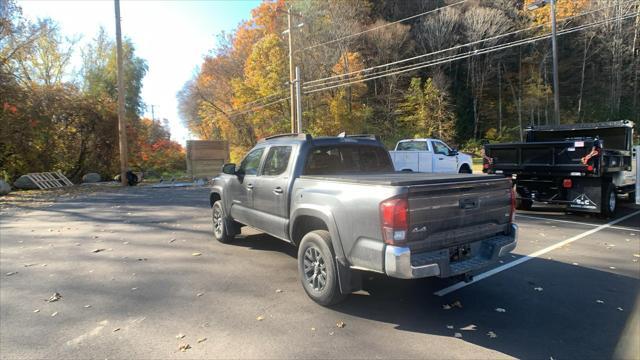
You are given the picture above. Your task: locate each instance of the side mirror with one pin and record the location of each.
(453, 152)
(229, 169)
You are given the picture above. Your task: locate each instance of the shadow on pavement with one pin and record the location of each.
(564, 320)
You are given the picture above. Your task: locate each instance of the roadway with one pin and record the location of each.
(570, 290)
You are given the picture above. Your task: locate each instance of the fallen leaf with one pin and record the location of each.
(29, 265)
(134, 288)
(54, 314)
(446, 307)
(142, 259)
(260, 318)
(575, 263)
(469, 328)
(55, 297)
(457, 335)
(36, 310)
(331, 333)
(600, 301)
(313, 329)
(11, 273)
(172, 240)
(612, 267)
(201, 340)
(501, 310)
(537, 288)
(180, 336)
(125, 243)
(184, 347)
(278, 291)
(620, 309)
(116, 329)
(196, 254)
(636, 255)
(87, 306)
(492, 335)
(199, 294)
(340, 324)
(98, 250)
(457, 304)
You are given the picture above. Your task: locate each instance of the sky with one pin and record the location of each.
(172, 36)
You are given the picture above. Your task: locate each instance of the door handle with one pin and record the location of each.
(278, 190)
(440, 158)
(249, 186)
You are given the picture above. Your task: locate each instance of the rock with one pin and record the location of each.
(4, 188)
(91, 178)
(25, 183)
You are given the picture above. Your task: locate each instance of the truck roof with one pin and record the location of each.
(322, 140)
(418, 139)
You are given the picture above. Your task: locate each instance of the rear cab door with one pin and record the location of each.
(271, 193)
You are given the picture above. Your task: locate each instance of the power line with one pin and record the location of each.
(474, 53)
(382, 26)
(309, 83)
(258, 107)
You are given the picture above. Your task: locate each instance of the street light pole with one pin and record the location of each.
(122, 126)
(291, 79)
(298, 100)
(554, 45)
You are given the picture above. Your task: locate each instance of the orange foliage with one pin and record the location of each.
(564, 8)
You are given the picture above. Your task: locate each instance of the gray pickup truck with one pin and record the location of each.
(339, 200)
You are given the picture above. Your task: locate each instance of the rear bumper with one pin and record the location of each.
(401, 263)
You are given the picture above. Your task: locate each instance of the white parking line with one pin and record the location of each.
(575, 222)
(531, 256)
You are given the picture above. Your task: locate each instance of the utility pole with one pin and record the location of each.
(291, 84)
(298, 100)
(153, 113)
(122, 126)
(556, 90)
(554, 49)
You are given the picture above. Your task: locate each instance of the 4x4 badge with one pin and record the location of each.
(419, 229)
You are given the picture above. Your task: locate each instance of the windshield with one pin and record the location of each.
(417, 145)
(344, 159)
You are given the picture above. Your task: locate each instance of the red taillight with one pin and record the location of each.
(590, 168)
(394, 218)
(512, 211)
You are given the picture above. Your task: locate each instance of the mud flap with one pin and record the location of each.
(348, 279)
(585, 195)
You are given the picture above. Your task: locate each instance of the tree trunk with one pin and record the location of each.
(587, 44)
(499, 101)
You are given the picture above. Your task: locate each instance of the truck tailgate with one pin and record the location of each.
(449, 214)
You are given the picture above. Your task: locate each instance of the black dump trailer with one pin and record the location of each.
(582, 166)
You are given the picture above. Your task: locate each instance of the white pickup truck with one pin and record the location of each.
(429, 155)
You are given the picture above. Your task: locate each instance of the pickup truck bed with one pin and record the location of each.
(401, 178)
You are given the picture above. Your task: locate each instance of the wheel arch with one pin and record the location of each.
(213, 197)
(308, 219)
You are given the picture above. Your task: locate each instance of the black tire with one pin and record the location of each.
(221, 230)
(316, 263)
(465, 169)
(609, 202)
(524, 204)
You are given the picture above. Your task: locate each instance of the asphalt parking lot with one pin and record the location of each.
(159, 281)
